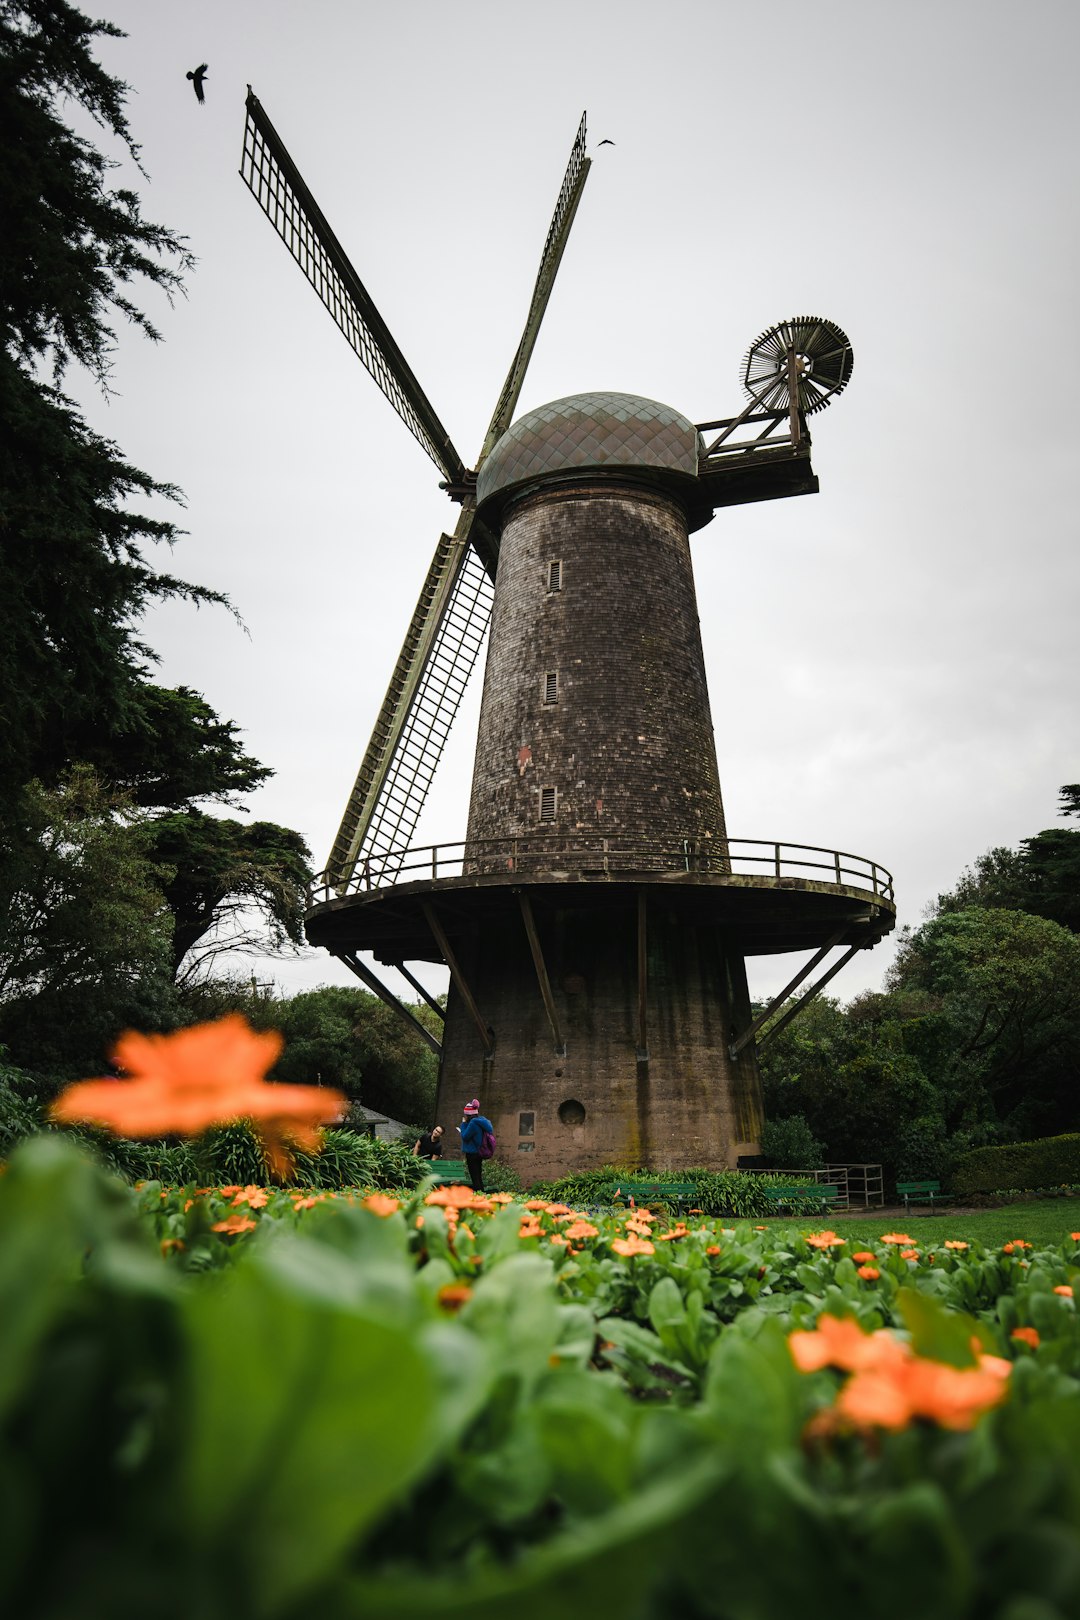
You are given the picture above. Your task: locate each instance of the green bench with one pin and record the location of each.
(678, 1193)
(922, 1192)
(448, 1172)
(822, 1196)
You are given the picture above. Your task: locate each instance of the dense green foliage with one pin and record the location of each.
(975, 1039)
(739, 1194)
(1052, 1161)
(379, 1419)
(110, 873)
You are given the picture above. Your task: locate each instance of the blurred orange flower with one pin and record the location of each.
(530, 1229)
(381, 1203)
(194, 1078)
(897, 1237)
(892, 1395)
(235, 1223)
(909, 1254)
(713, 1248)
(1017, 1243)
(955, 1243)
(839, 1341)
(864, 1255)
(1063, 1288)
(454, 1296)
(633, 1245)
(824, 1240)
(254, 1197)
(1028, 1335)
(871, 1273)
(580, 1229)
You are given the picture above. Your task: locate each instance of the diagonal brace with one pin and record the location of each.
(778, 1000)
(459, 981)
(374, 983)
(792, 1012)
(542, 973)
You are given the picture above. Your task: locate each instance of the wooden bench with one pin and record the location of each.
(922, 1192)
(678, 1193)
(822, 1196)
(448, 1172)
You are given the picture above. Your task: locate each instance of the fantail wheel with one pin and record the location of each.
(806, 354)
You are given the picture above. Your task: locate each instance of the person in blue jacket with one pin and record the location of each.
(472, 1128)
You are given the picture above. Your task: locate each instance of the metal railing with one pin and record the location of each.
(561, 858)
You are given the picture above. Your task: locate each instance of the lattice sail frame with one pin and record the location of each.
(448, 626)
(278, 187)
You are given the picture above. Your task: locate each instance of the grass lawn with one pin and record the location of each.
(1044, 1220)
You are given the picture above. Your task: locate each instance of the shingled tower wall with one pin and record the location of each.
(595, 727)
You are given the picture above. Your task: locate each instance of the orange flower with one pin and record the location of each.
(863, 1256)
(871, 1273)
(1026, 1335)
(695, 1212)
(454, 1196)
(1063, 1288)
(1075, 1236)
(955, 1243)
(454, 1296)
(235, 1223)
(537, 1203)
(633, 1245)
(713, 1248)
(581, 1229)
(839, 1341)
(909, 1254)
(559, 1209)
(1017, 1243)
(530, 1229)
(824, 1240)
(171, 1245)
(500, 1198)
(645, 1215)
(897, 1237)
(679, 1231)
(557, 1238)
(381, 1203)
(254, 1197)
(306, 1203)
(194, 1078)
(892, 1395)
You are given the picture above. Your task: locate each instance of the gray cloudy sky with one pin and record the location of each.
(893, 662)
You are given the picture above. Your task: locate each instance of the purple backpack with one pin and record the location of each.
(487, 1144)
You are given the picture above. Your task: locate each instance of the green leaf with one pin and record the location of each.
(936, 1331)
(305, 1415)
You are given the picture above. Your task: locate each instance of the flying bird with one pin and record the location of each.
(599, 143)
(197, 78)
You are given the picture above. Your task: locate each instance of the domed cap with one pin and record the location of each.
(589, 432)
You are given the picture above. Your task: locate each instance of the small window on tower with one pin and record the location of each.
(551, 686)
(547, 804)
(555, 576)
(526, 1124)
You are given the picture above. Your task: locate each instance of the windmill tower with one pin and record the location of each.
(596, 918)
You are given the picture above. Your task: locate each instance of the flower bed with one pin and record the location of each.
(281, 1402)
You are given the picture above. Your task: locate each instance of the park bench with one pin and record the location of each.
(821, 1197)
(921, 1192)
(448, 1171)
(678, 1193)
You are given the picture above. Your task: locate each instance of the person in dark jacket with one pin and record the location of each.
(429, 1145)
(472, 1128)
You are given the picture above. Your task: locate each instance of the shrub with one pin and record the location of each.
(1050, 1162)
(789, 1144)
(736, 1193)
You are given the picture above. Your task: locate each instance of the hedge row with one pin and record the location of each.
(1049, 1162)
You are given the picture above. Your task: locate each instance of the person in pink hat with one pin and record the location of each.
(474, 1127)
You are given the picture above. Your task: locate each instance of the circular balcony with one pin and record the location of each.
(770, 896)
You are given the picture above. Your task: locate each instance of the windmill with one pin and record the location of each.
(596, 918)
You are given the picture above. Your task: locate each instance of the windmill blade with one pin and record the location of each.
(440, 649)
(279, 189)
(577, 172)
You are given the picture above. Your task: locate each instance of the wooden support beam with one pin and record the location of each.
(459, 980)
(642, 980)
(541, 973)
(778, 1001)
(418, 987)
(364, 973)
(793, 1012)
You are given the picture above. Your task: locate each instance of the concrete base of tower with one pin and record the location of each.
(627, 1063)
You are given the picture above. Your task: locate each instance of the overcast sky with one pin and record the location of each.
(893, 662)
